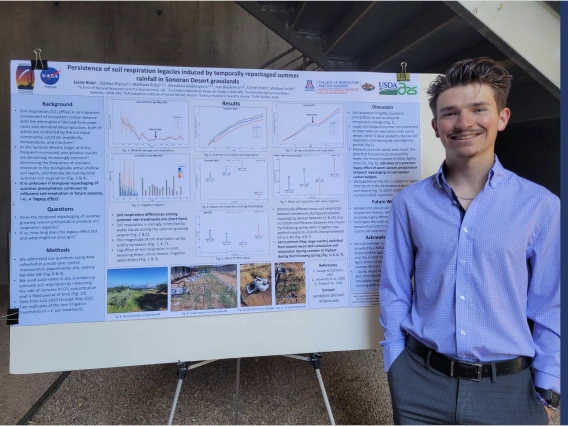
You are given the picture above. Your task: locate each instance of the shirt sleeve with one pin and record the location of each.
(395, 288)
(543, 302)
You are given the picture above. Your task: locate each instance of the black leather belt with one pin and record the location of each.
(465, 370)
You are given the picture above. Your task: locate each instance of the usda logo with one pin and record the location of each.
(397, 89)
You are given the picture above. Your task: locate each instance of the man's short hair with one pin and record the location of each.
(479, 70)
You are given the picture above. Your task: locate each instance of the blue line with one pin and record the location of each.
(236, 124)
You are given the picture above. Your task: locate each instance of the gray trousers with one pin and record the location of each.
(422, 395)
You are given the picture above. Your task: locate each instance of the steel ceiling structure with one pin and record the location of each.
(428, 35)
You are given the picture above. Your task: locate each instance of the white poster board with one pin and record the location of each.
(171, 213)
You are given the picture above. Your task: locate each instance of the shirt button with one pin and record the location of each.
(462, 332)
(462, 297)
(463, 262)
(465, 229)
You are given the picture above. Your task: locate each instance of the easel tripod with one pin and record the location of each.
(184, 367)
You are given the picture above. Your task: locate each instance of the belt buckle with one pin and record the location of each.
(479, 370)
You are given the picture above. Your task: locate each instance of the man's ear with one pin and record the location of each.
(435, 127)
(504, 117)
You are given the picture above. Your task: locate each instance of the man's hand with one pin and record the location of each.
(549, 412)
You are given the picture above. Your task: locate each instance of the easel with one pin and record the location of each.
(184, 367)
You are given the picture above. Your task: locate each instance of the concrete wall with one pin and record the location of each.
(208, 34)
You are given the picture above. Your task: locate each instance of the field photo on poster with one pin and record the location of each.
(256, 284)
(290, 283)
(137, 290)
(203, 287)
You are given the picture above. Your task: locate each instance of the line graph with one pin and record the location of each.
(127, 127)
(148, 123)
(309, 176)
(237, 232)
(231, 180)
(230, 128)
(235, 126)
(312, 124)
(316, 124)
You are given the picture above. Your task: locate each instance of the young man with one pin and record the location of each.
(470, 284)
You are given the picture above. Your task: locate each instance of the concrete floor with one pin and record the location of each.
(273, 390)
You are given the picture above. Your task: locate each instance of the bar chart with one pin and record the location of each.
(149, 177)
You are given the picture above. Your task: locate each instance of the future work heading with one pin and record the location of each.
(180, 75)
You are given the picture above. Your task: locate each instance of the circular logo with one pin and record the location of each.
(49, 76)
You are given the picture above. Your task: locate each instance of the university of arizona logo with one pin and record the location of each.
(25, 77)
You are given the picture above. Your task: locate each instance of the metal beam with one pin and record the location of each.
(270, 62)
(291, 62)
(520, 77)
(297, 17)
(482, 49)
(274, 6)
(359, 10)
(307, 64)
(308, 48)
(527, 32)
(433, 20)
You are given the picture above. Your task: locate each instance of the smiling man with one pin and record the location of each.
(470, 283)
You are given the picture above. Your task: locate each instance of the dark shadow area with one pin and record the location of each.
(532, 150)
(153, 302)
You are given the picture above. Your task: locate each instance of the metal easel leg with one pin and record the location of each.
(181, 373)
(316, 363)
(182, 369)
(236, 421)
(314, 359)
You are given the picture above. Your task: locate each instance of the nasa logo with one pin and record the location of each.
(50, 76)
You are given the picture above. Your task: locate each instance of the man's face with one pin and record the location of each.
(468, 120)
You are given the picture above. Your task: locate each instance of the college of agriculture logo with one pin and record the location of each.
(389, 88)
(368, 87)
(50, 76)
(310, 85)
(25, 77)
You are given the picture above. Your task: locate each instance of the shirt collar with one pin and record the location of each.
(496, 174)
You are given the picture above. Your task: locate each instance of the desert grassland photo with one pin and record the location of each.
(257, 276)
(203, 287)
(137, 290)
(290, 283)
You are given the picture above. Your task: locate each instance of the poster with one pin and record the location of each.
(157, 192)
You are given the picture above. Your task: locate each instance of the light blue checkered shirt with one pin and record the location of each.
(477, 280)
